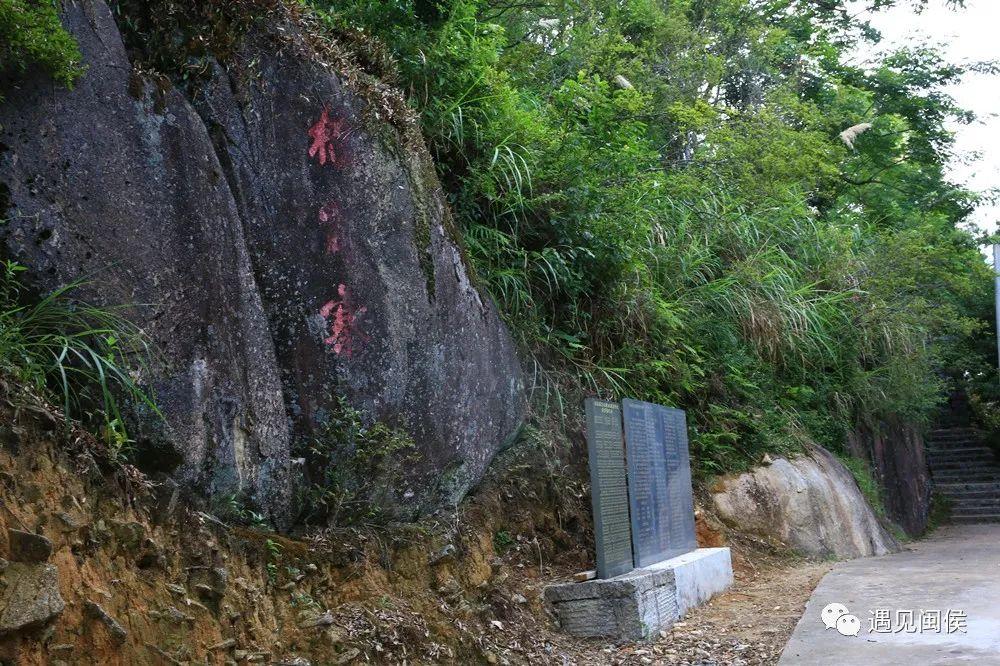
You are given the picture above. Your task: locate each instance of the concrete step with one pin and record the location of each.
(959, 453)
(965, 466)
(962, 506)
(966, 477)
(983, 487)
(960, 448)
(962, 465)
(951, 441)
(953, 432)
(962, 471)
(991, 518)
(948, 435)
(951, 445)
(972, 498)
(970, 493)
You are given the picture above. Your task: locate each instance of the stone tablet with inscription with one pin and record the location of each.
(608, 488)
(659, 474)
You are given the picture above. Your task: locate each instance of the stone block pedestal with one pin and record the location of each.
(638, 605)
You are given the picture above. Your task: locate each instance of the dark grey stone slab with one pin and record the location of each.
(606, 453)
(680, 508)
(659, 476)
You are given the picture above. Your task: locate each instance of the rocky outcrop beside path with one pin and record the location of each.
(810, 503)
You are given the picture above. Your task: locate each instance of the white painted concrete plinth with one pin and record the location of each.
(640, 604)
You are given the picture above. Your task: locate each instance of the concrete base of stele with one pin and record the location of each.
(638, 605)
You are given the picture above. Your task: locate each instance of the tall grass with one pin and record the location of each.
(86, 358)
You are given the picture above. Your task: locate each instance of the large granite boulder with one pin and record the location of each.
(811, 503)
(299, 256)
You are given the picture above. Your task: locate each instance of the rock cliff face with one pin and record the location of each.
(896, 453)
(282, 248)
(810, 503)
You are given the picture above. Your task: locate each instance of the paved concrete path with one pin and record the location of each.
(958, 568)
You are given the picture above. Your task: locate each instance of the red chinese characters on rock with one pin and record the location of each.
(340, 317)
(325, 138)
(329, 217)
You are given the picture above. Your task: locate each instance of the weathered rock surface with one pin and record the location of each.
(30, 596)
(366, 293)
(116, 181)
(28, 547)
(285, 250)
(810, 503)
(115, 629)
(896, 453)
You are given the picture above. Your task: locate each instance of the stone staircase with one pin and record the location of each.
(966, 472)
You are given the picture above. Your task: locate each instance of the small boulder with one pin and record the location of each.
(446, 554)
(129, 535)
(210, 582)
(28, 547)
(151, 555)
(312, 618)
(97, 612)
(30, 598)
(810, 502)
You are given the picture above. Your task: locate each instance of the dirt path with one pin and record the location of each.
(747, 626)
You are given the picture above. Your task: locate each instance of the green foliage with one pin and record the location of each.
(658, 197)
(180, 38)
(503, 541)
(870, 488)
(352, 467)
(32, 36)
(73, 353)
(237, 509)
(872, 491)
(275, 551)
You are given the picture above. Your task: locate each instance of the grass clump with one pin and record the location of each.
(870, 488)
(77, 355)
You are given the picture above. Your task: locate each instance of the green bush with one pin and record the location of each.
(351, 467)
(32, 36)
